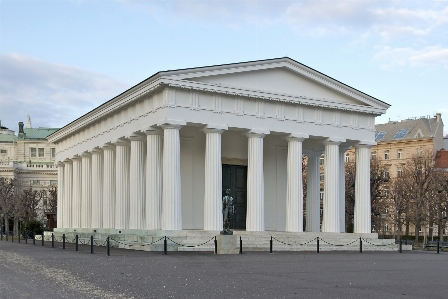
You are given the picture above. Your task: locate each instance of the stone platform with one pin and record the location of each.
(200, 240)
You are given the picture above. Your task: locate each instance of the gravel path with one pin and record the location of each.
(28, 270)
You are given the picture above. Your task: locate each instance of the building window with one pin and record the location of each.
(2, 151)
(35, 182)
(386, 191)
(347, 157)
(386, 155)
(373, 155)
(53, 152)
(41, 152)
(321, 176)
(399, 171)
(53, 182)
(419, 151)
(400, 154)
(386, 173)
(322, 160)
(321, 194)
(33, 152)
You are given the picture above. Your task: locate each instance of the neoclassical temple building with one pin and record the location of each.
(161, 155)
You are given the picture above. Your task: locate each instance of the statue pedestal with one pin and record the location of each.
(227, 244)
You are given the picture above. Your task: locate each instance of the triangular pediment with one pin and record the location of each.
(278, 76)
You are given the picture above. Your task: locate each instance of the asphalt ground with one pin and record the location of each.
(33, 271)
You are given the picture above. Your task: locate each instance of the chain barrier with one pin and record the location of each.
(338, 244)
(274, 238)
(183, 245)
(374, 244)
(128, 244)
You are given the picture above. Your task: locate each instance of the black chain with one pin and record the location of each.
(372, 243)
(338, 244)
(293, 244)
(190, 245)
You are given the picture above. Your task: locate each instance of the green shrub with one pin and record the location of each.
(33, 227)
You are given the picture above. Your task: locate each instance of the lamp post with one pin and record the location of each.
(383, 217)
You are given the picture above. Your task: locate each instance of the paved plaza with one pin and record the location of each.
(33, 271)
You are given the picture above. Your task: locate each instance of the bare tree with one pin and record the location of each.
(8, 191)
(417, 181)
(52, 200)
(398, 203)
(439, 200)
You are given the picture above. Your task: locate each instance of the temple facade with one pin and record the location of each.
(161, 155)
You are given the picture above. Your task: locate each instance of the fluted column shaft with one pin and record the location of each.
(122, 185)
(61, 203)
(171, 196)
(137, 183)
(362, 190)
(294, 186)
(331, 203)
(77, 185)
(342, 190)
(153, 179)
(313, 193)
(109, 187)
(255, 183)
(97, 188)
(213, 180)
(68, 188)
(86, 185)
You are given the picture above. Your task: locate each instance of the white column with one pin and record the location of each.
(294, 187)
(330, 222)
(60, 207)
(153, 178)
(137, 182)
(362, 190)
(76, 207)
(86, 185)
(171, 196)
(342, 189)
(109, 186)
(68, 188)
(255, 181)
(97, 188)
(213, 178)
(122, 151)
(313, 192)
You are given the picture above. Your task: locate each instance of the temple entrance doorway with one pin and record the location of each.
(234, 177)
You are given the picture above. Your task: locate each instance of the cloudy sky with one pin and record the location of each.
(60, 59)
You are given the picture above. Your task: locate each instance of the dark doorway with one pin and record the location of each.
(234, 177)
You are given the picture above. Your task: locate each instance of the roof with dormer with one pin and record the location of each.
(424, 127)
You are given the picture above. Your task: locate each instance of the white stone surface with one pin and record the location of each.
(109, 186)
(86, 193)
(97, 188)
(362, 190)
(122, 193)
(313, 193)
(137, 182)
(153, 178)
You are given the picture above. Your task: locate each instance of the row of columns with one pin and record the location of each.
(104, 187)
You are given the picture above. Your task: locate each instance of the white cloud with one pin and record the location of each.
(429, 56)
(52, 94)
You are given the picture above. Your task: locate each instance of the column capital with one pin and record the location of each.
(257, 133)
(152, 131)
(122, 141)
(172, 124)
(86, 154)
(96, 150)
(333, 140)
(364, 144)
(136, 136)
(210, 128)
(76, 157)
(296, 137)
(108, 146)
(59, 164)
(68, 161)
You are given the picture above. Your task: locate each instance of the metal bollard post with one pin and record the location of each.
(438, 246)
(360, 245)
(34, 239)
(19, 236)
(406, 241)
(108, 247)
(241, 246)
(76, 238)
(164, 246)
(63, 241)
(52, 240)
(216, 246)
(12, 237)
(318, 245)
(270, 245)
(401, 246)
(43, 239)
(91, 244)
(26, 239)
